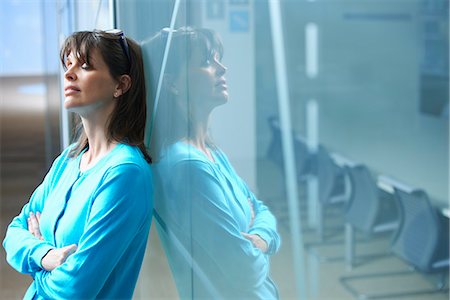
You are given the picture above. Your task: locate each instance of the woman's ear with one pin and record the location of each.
(123, 85)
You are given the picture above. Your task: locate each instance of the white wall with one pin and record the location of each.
(233, 124)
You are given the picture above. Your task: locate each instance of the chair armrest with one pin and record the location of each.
(444, 263)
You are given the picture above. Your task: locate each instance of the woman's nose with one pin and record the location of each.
(221, 69)
(70, 74)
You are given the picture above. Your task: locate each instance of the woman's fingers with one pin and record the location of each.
(65, 252)
(257, 241)
(57, 257)
(68, 250)
(33, 225)
(252, 212)
(30, 229)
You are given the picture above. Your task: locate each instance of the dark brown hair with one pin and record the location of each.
(127, 122)
(172, 122)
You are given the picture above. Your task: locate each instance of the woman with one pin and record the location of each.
(83, 233)
(217, 235)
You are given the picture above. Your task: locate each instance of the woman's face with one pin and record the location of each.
(88, 88)
(205, 81)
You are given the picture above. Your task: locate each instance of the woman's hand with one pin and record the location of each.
(33, 225)
(257, 241)
(252, 212)
(56, 257)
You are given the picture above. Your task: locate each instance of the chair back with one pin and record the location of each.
(417, 239)
(327, 173)
(364, 203)
(275, 150)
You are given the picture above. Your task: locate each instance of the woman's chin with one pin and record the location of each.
(224, 97)
(69, 106)
(221, 101)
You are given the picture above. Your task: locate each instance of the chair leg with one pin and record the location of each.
(349, 246)
(312, 186)
(320, 225)
(442, 281)
(311, 250)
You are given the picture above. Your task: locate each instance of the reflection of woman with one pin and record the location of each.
(217, 235)
(83, 233)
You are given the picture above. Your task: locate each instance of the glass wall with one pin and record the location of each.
(284, 133)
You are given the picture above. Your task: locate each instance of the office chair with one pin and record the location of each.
(334, 186)
(333, 193)
(421, 241)
(319, 164)
(423, 237)
(275, 151)
(368, 211)
(302, 159)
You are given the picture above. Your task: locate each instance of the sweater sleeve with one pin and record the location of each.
(213, 230)
(24, 251)
(120, 210)
(265, 224)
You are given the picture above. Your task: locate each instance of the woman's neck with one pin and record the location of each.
(199, 139)
(99, 143)
(201, 145)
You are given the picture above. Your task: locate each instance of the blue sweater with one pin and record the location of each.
(202, 207)
(106, 211)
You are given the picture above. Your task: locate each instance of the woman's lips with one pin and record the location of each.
(70, 90)
(222, 84)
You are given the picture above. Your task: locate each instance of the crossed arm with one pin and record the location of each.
(120, 212)
(240, 255)
(54, 257)
(256, 240)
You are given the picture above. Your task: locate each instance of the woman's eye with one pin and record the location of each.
(85, 66)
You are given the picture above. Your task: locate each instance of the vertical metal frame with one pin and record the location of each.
(288, 147)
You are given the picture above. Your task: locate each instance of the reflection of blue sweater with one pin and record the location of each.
(202, 208)
(106, 211)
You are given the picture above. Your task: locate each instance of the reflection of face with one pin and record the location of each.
(206, 82)
(88, 87)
